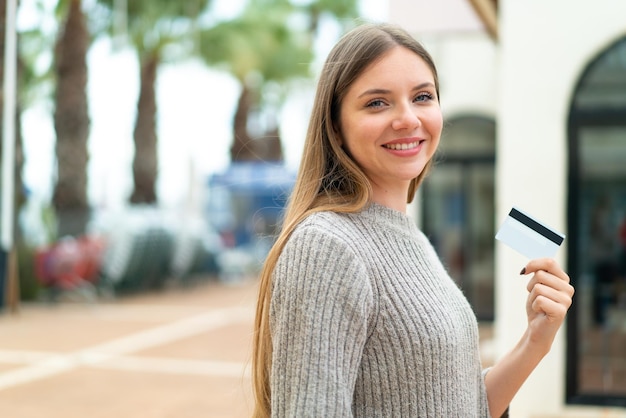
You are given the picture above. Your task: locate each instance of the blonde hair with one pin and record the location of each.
(328, 178)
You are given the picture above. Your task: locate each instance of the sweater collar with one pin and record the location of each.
(389, 218)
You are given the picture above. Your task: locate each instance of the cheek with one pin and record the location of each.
(368, 129)
(435, 125)
(435, 128)
(354, 131)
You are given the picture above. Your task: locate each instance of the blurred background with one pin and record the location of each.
(156, 143)
(177, 126)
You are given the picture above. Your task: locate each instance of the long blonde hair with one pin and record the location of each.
(328, 179)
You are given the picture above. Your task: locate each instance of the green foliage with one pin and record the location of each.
(344, 11)
(29, 285)
(154, 24)
(255, 43)
(155, 10)
(340, 9)
(35, 58)
(272, 41)
(269, 38)
(49, 222)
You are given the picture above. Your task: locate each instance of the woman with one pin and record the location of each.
(356, 315)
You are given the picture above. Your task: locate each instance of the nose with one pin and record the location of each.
(406, 118)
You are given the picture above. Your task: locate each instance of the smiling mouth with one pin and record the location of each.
(403, 147)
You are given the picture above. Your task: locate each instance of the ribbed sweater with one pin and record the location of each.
(366, 322)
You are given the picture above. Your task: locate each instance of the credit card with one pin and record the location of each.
(528, 236)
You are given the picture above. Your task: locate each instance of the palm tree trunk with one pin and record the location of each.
(267, 148)
(273, 146)
(146, 161)
(243, 148)
(71, 123)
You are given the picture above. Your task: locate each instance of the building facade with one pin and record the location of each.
(551, 82)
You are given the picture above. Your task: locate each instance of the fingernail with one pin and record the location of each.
(523, 271)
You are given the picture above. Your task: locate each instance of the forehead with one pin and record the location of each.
(397, 64)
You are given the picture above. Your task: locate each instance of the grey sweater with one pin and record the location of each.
(366, 322)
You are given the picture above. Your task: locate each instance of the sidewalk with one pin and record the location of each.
(181, 353)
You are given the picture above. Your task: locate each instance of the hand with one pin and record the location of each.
(549, 298)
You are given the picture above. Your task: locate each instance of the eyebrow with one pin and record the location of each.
(376, 91)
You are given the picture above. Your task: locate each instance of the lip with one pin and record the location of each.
(404, 147)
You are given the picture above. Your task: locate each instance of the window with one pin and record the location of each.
(458, 208)
(596, 357)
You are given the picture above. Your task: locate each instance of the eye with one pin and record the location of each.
(424, 97)
(375, 103)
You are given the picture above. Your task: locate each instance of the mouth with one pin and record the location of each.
(403, 146)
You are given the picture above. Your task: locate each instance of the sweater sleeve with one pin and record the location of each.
(320, 307)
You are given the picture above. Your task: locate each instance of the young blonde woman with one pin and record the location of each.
(356, 314)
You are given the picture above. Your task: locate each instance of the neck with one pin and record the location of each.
(391, 201)
(393, 196)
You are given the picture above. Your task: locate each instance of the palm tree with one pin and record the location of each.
(259, 49)
(152, 26)
(343, 11)
(71, 122)
(263, 48)
(30, 84)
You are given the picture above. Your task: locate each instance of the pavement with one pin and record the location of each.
(177, 353)
(183, 352)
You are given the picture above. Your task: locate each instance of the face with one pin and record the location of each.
(391, 122)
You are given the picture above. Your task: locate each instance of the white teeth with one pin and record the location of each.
(401, 147)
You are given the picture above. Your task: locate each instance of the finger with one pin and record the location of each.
(546, 264)
(548, 307)
(550, 280)
(557, 296)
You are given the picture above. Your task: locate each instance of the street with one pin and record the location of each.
(178, 353)
(175, 353)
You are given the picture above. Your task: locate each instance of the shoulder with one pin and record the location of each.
(325, 245)
(322, 235)
(333, 228)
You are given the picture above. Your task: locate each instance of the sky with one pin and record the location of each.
(195, 108)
